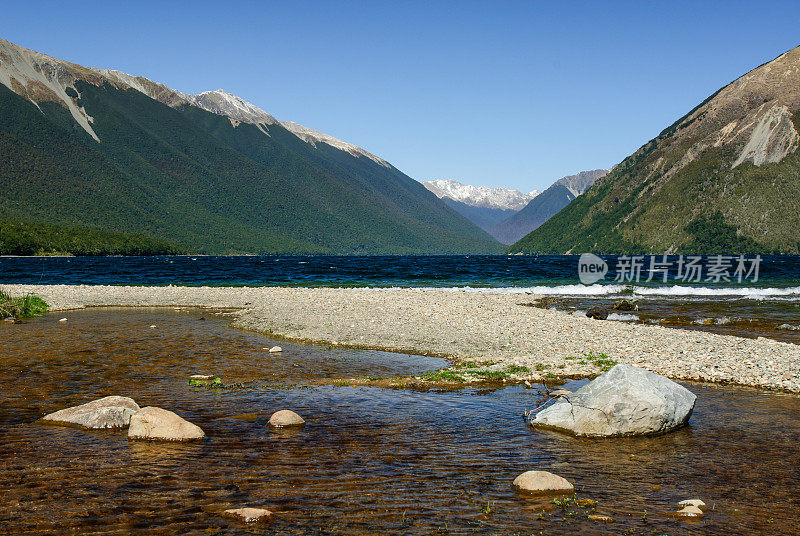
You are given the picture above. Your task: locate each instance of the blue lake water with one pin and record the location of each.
(748, 296)
(778, 271)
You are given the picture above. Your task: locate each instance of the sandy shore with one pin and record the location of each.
(463, 325)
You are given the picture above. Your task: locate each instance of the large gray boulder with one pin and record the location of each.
(107, 412)
(625, 401)
(159, 424)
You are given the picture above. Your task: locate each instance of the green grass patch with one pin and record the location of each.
(600, 360)
(443, 375)
(214, 383)
(490, 374)
(22, 307)
(518, 369)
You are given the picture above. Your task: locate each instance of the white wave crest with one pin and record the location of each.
(744, 292)
(755, 293)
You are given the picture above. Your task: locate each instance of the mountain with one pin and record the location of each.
(724, 178)
(480, 196)
(483, 206)
(101, 150)
(545, 206)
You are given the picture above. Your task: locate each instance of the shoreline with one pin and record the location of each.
(462, 326)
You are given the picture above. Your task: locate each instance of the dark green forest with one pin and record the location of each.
(19, 238)
(192, 179)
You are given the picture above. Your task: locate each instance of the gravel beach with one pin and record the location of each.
(462, 325)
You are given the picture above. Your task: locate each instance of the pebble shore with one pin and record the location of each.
(462, 325)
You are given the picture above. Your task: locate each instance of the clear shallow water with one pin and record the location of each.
(368, 461)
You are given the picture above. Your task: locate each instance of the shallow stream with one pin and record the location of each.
(368, 460)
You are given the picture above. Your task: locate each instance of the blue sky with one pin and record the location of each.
(500, 93)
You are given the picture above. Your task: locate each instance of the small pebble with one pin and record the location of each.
(250, 515)
(63, 320)
(600, 518)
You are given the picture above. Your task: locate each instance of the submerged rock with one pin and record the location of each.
(690, 511)
(286, 417)
(250, 515)
(542, 482)
(697, 503)
(598, 313)
(625, 305)
(275, 349)
(159, 424)
(205, 380)
(624, 401)
(107, 412)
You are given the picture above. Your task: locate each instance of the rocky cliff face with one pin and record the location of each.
(734, 155)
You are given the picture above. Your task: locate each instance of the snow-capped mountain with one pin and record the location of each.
(103, 150)
(40, 77)
(545, 206)
(480, 196)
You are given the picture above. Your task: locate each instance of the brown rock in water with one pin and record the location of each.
(285, 417)
(153, 423)
(542, 482)
(598, 313)
(250, 515)
(107, 412)
(625, 305)
(600, 518)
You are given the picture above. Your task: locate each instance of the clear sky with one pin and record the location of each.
(493, 93)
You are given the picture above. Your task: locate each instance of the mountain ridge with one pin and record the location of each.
(544, 206)
(735, 154)
(209, 173)
(480, 196)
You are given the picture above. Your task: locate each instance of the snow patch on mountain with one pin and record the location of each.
(480, 196)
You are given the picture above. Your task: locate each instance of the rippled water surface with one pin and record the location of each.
(368, 461)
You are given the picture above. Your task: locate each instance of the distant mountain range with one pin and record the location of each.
(91, 151)
(508, 215)
(724, 178)
(545, 206)
(485, 207)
